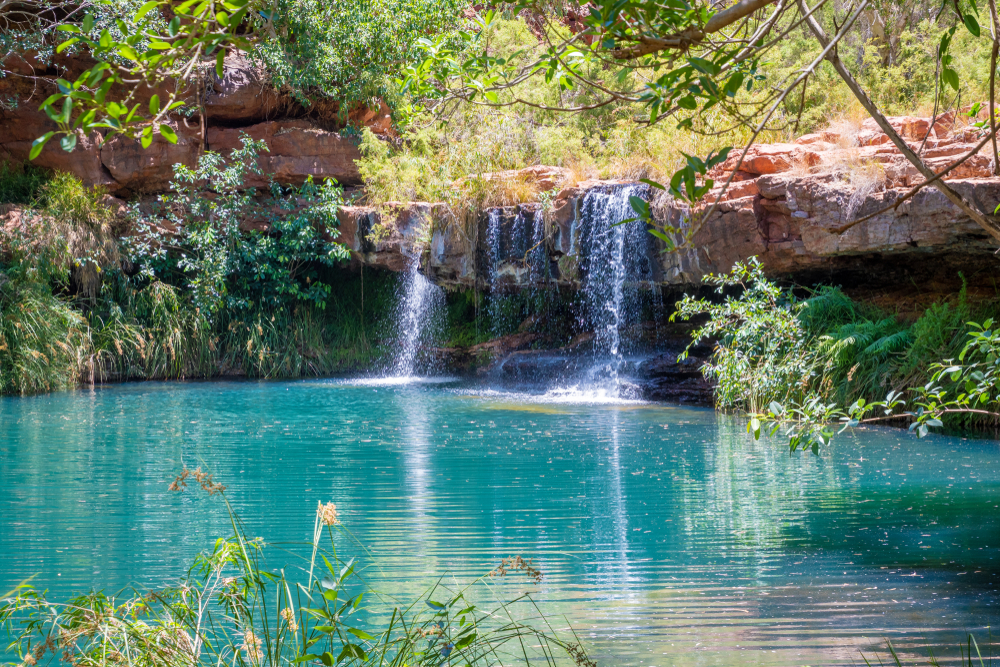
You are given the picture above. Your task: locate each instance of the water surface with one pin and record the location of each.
(666, 535)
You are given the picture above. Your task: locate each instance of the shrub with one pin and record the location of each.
(228, 249)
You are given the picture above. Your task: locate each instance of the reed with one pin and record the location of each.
(234, 607)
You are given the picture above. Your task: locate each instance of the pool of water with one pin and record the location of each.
(665, 535)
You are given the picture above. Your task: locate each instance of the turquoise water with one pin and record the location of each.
(665, 535)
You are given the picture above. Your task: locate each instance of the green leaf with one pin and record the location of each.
(220, 59)
(67, 110)
(145, 9)
(328, 659)
(68, 43)
(465, 641)
(360, 634)
(972, 24)
(306, 658)
(351, 651)
(435, 605)
(950, 77)
(146, 139)
(38, 144)
(688, 103)
(168, 133)
(154, 104)
(640, 206)
(128, 52)
(653, 184)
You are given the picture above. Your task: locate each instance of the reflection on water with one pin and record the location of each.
(666, 535)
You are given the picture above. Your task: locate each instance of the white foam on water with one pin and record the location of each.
(574, 395)
(397, 381)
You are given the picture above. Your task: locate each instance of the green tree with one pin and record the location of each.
(692, 58)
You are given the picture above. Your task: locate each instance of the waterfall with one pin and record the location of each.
(417, 316)
(515, 252)
(494, 238)
(614, 260)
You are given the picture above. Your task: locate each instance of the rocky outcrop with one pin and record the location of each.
(303, 140)
(791, 205)
(665, 378)
(798, 210)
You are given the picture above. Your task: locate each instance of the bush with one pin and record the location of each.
(228, 249)
(772, 347)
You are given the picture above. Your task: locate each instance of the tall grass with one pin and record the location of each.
(246, 603)
(44, 342)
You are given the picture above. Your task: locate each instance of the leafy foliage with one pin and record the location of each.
(346, 51)
(793, 364)
(230, 249)
(148, 48)
(760, 341)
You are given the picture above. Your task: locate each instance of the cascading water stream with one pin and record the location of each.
(420, 303)
(515, 249)
(614, 260)
(493, 239)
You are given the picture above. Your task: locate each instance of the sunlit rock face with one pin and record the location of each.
(302, 141)
(791, 205)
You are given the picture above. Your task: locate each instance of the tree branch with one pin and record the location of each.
(991, 226)
(692, 35)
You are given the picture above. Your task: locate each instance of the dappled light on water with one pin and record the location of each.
(665, 535)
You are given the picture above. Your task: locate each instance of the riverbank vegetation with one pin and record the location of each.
(90, 294)
(819, 363)
(200, 288)
(249, 603)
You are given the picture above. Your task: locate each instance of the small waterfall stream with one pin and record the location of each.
(614, 260)
(515, 253)
(494, 303)
(419, 307)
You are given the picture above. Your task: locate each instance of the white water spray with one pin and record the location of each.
(614, 260)
(420, 304)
